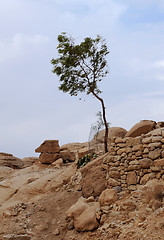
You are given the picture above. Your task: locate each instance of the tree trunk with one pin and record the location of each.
(105, 122)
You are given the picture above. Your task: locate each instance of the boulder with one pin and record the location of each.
(84, 215)
(48, 158)
(93, 178)
(9, 160)
(49, 146)
(153, 190)
(108, 197)
(97, 143)
(140, 128)
(112, 132)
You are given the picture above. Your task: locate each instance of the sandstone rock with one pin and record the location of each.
(112, 132)
(145, 179)
(155, 154)
(159, 162)
(156, 132)
(48, 157)
(130, 141)
(121, 150)
(58, 163)
(82, 152)
(68, 156)
(156, 138)
(131, 178)
(114, 174)
(98, 141)
(112, 182)
(154, 145)
(73, 146)
(147, 140)
(145, 163)
(140, 128)
(5, 171)
(108, 197)
(155, 168)
(84, 215)
(93, 178)
(133, 167)
(138, 147)
(29, 161)
(9, 160)
(153, 189)
(49, 146)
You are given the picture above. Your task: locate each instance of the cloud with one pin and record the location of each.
(20, 45)
(159, 64)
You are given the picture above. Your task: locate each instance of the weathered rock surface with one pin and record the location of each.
(97, 143)
(93, 178)
(84, 215)
(49, 146)
(29, 161)
(140, 128)
(9, 160)
(108, 197)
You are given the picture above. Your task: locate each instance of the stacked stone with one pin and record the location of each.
(133, 161)
(50, 151)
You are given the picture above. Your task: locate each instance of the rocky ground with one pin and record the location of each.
(35, 202)
(50, 198)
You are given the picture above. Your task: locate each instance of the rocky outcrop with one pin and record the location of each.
(9, 160)
(51, 151)
(140, 128)
(84, 214)
(93, 178)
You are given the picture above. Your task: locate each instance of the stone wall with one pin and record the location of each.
(134, 161)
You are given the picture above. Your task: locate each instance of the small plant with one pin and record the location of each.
(86, 159)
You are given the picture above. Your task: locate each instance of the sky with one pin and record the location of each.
(33, 109)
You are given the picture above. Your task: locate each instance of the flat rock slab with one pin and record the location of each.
(49, 146)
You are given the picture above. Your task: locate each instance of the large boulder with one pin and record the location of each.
(112, 132)
(93, 178)
(49, 146)
(9, 160)
(108, 197)
(84, 214)
(140, 128)
(97, 143)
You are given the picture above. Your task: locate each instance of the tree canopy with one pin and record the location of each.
(81, 67)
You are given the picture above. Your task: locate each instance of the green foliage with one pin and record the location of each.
(80, 66)
(83, 161)
(86, 159)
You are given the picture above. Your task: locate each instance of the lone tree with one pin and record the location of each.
(81, 67)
